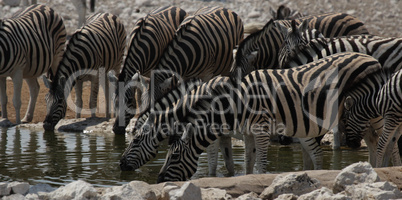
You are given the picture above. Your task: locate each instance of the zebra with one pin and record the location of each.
(284, 12)
(376, 100)
(31, 44)
(202, 47)
(92, 51)
(149, 38)
(385, 49)
(144, 145)
(261, 103)
(268, 41)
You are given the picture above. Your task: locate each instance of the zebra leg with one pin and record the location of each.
(261, 143)
(387, 140)
(371, 140)
(313, 149)
(78, 98)
(396, 157)
(307, 162)
(212, 154)
(17, 81)
(3, 97)
(249, 153)
(225, 143)
(33, 92)
(93, 99)
(106, 90)
(336, 145)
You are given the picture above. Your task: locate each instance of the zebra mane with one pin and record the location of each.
(186, 85)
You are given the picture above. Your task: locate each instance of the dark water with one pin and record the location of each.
(60, 158)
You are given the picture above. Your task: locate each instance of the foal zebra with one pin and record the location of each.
(92, 51)
(31, 43)
(377, 99)
(149, 38)
(262, 101)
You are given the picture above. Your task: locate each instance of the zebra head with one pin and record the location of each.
(56, 105)
(142, 148)
(296, 37)
(180, 163)
(352, 129)
(135, 90)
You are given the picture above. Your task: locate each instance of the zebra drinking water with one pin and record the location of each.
(295, 100)
(92, 51)
(149, 38)
(31, 44)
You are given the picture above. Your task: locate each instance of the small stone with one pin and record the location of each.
(215, 193)
(4, 189)
(19, 188)
(249, 196)
(187, 191)
(13, 197)
(360, 172)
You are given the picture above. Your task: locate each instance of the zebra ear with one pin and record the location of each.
(251, 57)
(112, 77)
(188, 132)
(303, 26)
(46, 81)
(349, 102)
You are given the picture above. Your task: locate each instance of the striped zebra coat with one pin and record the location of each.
(377, 99)
(294, 102)
(31, 44)
(144, 145)
(268, 41)
(149, 38)
(202, 48)
(92, 51)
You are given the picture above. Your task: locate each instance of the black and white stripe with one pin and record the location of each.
(268, 41)
(202, 48)
(92, 51)
(380, 101)
(149, 38)
(301, 102)
(31, 44)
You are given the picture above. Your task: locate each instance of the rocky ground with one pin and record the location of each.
(381, 18)
(357, 181)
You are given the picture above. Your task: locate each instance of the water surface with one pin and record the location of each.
(62, 157)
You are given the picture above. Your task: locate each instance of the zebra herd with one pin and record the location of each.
(297, 76)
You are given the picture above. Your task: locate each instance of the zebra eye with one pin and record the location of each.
(175, 155)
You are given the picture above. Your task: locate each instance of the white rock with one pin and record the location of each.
(4, 189)
(187, 191)
(167, 187)
(13, 197)
(286, 197)
(19, 187)
(360, 172)
(132, 190)
(323, 193)
(31, 197)
(75, 190)
(378, 190)
(254, 14)
(297, 183)
(41, 188)
(249, 196)
(215, 193)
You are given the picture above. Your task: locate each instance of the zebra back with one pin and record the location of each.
(202, 47)
(268, 43)
(384, 49)
(295, 97)
(32, 39)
